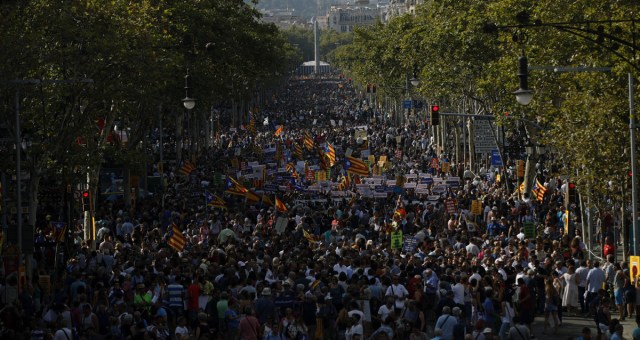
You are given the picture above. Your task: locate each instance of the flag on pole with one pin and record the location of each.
(290, 167)
(59, 230)
(232, 187)
(186, 168)
(356, 166)
(330, 151)
(279, 130)
(309, 237)
(308, 141)
(215, 201)
(298, 152)
(176, 239)
(345, 184)
(538, 190)
(251, 127)
(280, 206)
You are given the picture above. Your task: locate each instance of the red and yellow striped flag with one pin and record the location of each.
(280, 206)
(176, 240)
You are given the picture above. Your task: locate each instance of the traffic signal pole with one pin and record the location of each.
(634, 167)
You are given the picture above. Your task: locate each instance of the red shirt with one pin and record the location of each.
(609, 249)
(193, 293)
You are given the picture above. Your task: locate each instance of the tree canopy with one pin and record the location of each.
(582, 116)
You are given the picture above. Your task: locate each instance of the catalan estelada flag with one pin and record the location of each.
(187, 167)
(308, 141)
(356, 166)
(292, 169)
(176, 239)
(280, 206)
(59, 230)
(232, 187)
(538, 190)
(215, 201)
(330, 151)
(279, 130)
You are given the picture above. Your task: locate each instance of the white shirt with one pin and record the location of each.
(458, 293)
(400, 292)
(384, 311)
(473, 249)
(582, 273)
(63, 334)
(595, 279)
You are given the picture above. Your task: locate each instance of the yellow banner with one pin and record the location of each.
(476, 207)
(634, 268)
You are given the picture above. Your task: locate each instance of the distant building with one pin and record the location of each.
(283, 18)
(345, 17)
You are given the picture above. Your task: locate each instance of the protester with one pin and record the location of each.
(322, 217)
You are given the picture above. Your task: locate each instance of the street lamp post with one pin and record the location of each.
(189, 103)
(610, 41)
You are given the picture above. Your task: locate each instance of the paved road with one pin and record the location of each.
(572, 327)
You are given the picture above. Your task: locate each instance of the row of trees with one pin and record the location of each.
(136, 55)
(468, 69)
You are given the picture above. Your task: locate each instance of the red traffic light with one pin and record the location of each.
(85, 194)
(572, 185)
(435, 108)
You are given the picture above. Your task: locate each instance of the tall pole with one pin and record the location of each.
(18, 176)
(161, 156)
(634, 168)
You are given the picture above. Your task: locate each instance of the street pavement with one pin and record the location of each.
(572, 327)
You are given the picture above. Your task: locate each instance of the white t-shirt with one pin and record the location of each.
(400, 292)
(458, 293)
(384, 311)
(63, 334)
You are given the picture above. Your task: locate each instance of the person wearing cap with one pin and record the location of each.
(493, 228)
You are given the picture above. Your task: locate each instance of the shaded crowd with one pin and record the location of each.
(330, 272)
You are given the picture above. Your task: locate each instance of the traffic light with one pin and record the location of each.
(86, 201)
(368, 88)
(373, 88)
(572, 194)
(435, 115)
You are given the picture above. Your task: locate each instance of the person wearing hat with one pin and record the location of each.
(265, 306)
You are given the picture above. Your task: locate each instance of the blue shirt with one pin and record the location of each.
(489, 312)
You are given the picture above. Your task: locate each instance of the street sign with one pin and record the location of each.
(406, 104)
(496, 160)
(484, 141)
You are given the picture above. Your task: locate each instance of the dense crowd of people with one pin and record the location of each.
(330, 272)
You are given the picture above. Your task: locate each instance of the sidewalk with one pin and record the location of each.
(572, 327)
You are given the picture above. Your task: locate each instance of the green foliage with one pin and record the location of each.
(582, 115)
(136, 54)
